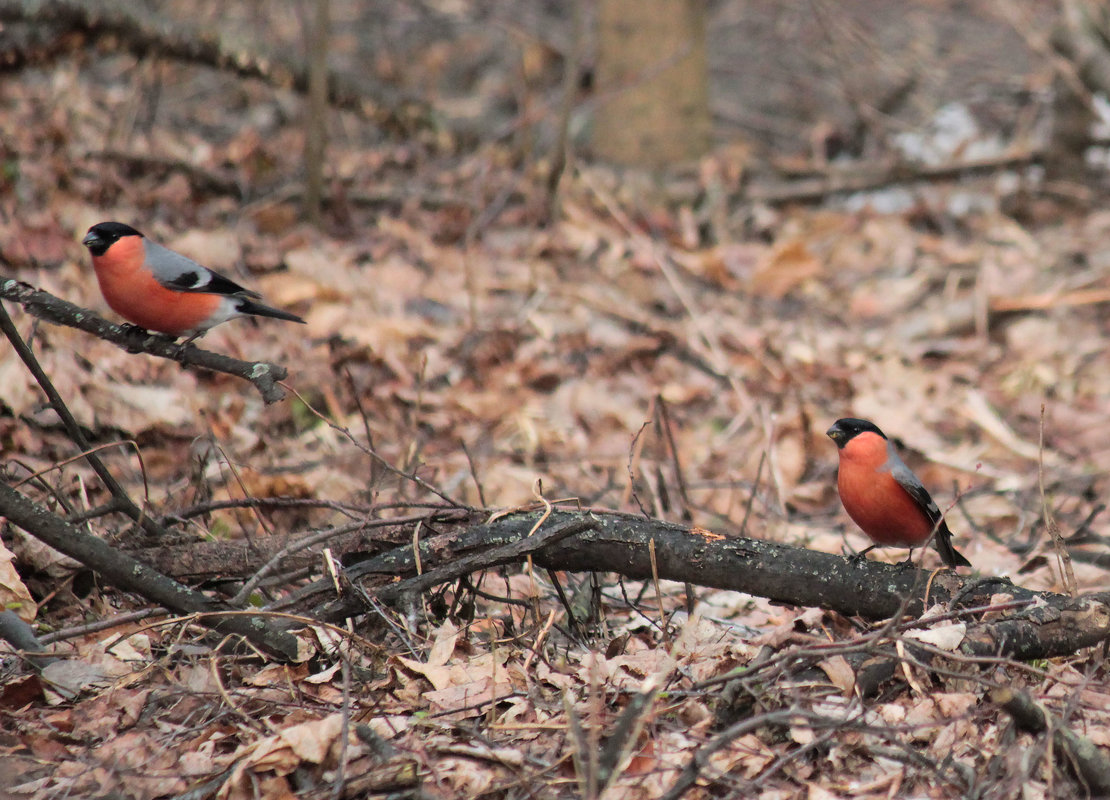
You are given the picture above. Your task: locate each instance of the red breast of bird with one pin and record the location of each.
(874, 498)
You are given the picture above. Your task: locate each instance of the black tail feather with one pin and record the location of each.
(948, 554)
(246, 306)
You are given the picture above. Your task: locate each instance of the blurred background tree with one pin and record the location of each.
(653, 81)
(798, 86)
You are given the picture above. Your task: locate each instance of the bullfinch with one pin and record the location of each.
(883, 496)
(164, 291)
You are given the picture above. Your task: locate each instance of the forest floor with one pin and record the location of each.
(639, 352)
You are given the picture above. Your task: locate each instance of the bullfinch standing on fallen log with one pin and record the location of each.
(883, 496)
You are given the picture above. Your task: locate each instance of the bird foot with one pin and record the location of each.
(855, 559)
(183, 350)
(133, 331)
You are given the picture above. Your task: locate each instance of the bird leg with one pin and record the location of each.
(856, 558)
(188, 343)
(191, 339)
(908, 563)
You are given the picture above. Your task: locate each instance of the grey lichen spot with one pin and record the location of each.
(260, 370)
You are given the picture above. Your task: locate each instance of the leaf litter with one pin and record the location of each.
(486, 359)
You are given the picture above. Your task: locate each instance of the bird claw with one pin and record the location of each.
(137, 331)
(183, 350)
(133, 331)
(855, 559)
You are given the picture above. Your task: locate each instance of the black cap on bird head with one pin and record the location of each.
(844, 430)
(103, 235)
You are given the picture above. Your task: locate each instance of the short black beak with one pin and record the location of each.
(90, 239)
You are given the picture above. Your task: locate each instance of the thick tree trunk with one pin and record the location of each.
(652, 79)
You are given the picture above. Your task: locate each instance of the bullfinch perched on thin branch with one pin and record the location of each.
(160, 290)
(883, 496)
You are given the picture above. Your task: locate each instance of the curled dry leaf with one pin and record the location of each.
(840, 672)
(945, 637)
(13, 594)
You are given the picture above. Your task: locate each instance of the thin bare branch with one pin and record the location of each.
(45, 306)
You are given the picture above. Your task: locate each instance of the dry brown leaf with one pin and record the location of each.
(919, 715)
(747, 755)
(815, 792)
(464, 776)
(443, 648)
(955, 704)
(14, 596)
(275, 787)
(324, 675)
(630, 668)
(946, 637)
(20, 394)
(280, 675)
(104, 716)
(802, 734)
(435, 669)
(389, 727)
(840, 673)
(892, 713)
(791, 627)
(468, 699)
(787, 266)
(198, 761)
(284, 752)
